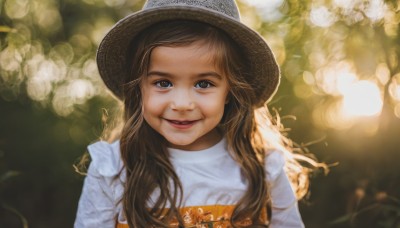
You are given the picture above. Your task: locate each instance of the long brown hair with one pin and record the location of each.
(147, 163)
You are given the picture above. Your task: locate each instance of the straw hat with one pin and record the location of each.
(223, 14)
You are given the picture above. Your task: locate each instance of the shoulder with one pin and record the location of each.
(274, 164)
(106, 159)
(102, 189)
(281, 190)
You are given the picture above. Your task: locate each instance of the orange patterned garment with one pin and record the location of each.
(216, 216)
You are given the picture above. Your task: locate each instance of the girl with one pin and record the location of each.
(193, 151)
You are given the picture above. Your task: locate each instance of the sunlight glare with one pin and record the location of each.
(362, 99)
(376, 10)
(394, 87)
(268, 133)
(345, 81)
(328, 115)
(392, 19)
(322, 17)
(48, 70)
(10, 59)
(81, 90)
(397, 110)
(268, 10)
(308, 78)
(382, 73)
(336, 78)
(38, 88)
(42, 75)
(89, 69)
(346, 4)
(62, 103)
(68, 95)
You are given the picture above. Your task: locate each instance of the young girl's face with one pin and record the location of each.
(184, 95)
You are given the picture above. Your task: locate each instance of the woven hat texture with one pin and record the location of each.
(223, 14)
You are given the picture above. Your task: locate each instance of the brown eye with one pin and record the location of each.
(163, 84)
(203, 84)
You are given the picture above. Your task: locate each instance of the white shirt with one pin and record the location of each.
(208, 177)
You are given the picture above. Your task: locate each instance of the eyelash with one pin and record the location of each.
(209, 84)
(158, 84)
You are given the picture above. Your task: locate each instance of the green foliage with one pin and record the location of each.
(374, 214)
(5, 210)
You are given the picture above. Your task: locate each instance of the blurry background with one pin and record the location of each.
(340, 79)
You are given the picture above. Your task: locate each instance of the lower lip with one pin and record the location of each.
(182, 126)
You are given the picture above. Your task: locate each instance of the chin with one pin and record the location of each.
(179, 143)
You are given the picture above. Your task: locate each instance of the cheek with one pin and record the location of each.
(152, 104)
(214, 107)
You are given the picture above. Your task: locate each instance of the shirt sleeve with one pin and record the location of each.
(285, 211)
(97, 205)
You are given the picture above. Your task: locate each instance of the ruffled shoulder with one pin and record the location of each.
(274, 163)
(106, 158)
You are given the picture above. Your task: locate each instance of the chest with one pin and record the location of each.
(218, 182)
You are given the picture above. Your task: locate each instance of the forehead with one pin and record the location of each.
(198, 54)
(189, 60)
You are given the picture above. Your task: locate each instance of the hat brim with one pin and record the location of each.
(113, 50)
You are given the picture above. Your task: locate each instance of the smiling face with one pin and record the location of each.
(184, 95)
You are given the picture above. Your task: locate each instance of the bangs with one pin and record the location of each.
(224, 52)
(218, 52)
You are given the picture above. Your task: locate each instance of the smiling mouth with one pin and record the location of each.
(182, 125)
(186, 122)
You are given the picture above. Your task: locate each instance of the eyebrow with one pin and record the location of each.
(202, 75)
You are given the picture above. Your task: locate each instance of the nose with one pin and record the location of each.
(182, 101)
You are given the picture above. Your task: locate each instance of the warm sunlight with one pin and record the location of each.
(321, 16)
(267, 10)
(363, 98)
